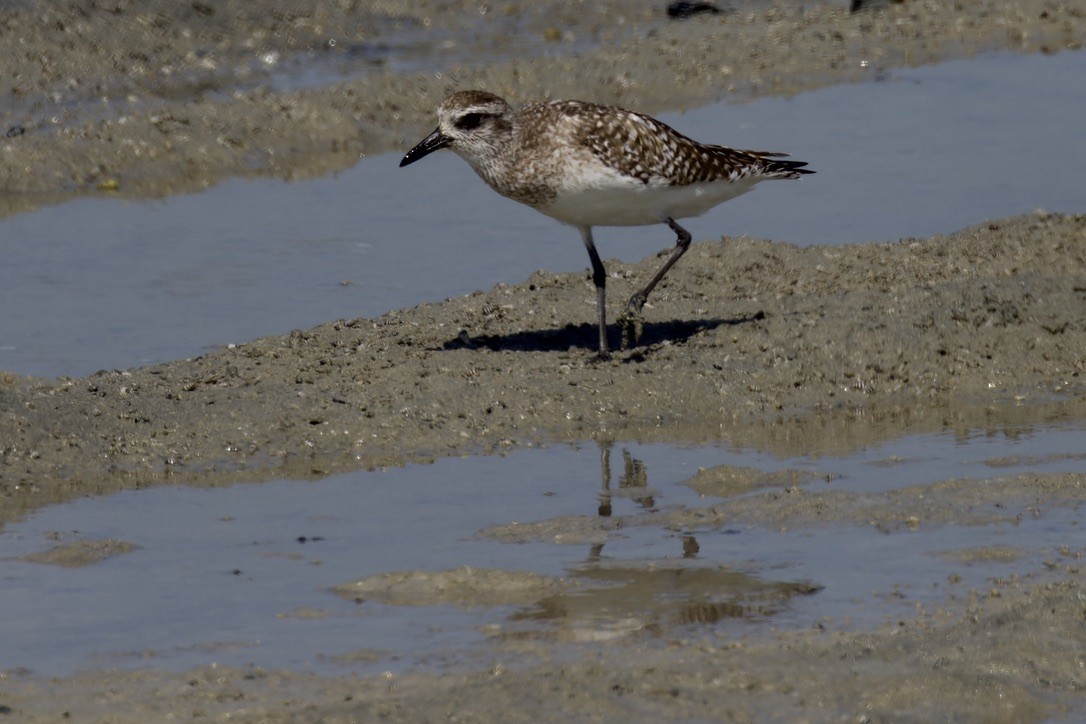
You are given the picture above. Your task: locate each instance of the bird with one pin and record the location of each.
(587, 164)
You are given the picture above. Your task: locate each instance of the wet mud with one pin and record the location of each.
(143, 100)
(758, 343)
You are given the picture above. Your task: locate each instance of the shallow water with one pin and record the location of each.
(106, 283)
(243, 575)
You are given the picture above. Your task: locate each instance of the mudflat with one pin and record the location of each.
(760, 343)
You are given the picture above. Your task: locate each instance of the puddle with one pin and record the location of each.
(428, 576)
(369, 42)
(107, 283)
(406, 47)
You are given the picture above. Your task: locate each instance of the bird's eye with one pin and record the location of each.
(468, 121)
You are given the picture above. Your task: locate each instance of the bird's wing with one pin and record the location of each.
(656, 154)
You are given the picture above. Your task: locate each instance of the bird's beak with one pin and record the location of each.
(426, 146)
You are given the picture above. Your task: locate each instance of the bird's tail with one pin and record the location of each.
(775, 166)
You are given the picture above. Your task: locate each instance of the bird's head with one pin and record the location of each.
(472, 123)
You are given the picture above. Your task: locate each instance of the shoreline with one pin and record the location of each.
(796, 337)
(202, 117)
(749, 342)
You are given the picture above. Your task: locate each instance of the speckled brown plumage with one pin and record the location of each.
(546, 151)
(589, 165)
(651, 151)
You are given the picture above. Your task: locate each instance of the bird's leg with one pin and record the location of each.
(599, 278)
(682, 243)
(631, 318)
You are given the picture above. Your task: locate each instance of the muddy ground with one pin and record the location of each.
(758, 343)
(145, 99)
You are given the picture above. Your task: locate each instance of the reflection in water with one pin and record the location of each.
(617, 599)
(444, 557)
(634, 482)
(654, 597)
(690, 547)
(634, 478)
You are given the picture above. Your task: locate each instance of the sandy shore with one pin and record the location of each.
(765, 344)
(759, 343)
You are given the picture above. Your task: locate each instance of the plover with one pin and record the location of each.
(593, 165)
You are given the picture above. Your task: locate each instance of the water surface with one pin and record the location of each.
(244, 575)
(107, 283)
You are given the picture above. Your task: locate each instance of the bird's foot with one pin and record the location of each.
(631, 322)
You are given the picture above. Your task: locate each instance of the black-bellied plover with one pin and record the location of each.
(591, 165)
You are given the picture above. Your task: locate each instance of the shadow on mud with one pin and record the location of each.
(584, 336)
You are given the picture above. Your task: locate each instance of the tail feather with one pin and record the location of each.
(792, 169)
(787, 169)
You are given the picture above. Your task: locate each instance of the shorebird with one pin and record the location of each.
(589, 165)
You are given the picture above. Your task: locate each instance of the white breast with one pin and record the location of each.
(633, 203)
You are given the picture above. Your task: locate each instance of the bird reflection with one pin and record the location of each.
(633, 483)
(634, 477)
